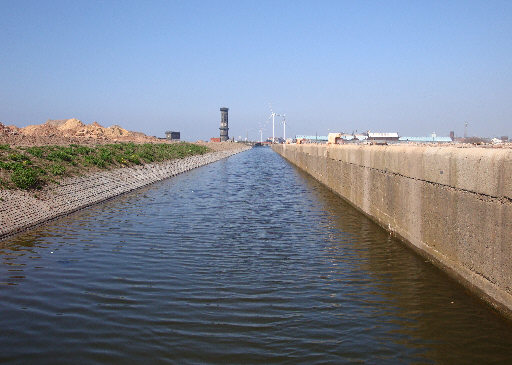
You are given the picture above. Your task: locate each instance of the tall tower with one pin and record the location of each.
(224, 124)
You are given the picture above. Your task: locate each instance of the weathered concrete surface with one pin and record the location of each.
(453, 205)
(22, 210)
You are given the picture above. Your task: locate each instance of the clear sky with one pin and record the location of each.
(414, 67)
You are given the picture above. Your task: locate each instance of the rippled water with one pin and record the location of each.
(247, 260)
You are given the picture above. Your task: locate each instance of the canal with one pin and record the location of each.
(247, 260)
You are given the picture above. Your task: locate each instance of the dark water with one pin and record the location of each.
(243, 261)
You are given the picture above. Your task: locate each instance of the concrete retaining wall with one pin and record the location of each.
(453, 205)
(22, 210)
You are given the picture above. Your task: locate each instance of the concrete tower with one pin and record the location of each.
(224, 124)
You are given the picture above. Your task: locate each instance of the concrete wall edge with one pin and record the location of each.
(475, 282)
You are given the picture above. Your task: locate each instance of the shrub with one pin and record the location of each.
(94, 160)
(121, 159)
(5, 147)
(25, 178)
(105, 154)
(36, 151)
(18, 157)
(147, 155)
(68, 150)
(133, 159)
(59, 155)
(57, 169)
(12, 165)
(82, 150)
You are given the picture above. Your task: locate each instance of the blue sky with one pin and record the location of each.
(414, 67)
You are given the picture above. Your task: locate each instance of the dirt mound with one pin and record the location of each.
(56, 122)
(15, 129)
(44, 130)
(70, 125)
(65, 131)
(4, 130)
(116, 131)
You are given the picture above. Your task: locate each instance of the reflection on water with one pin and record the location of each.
(247, 260)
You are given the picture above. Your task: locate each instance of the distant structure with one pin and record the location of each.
(224, 124)
(173, 136)
(371, 138)
(311, 139)
(426, 139)
(452, 135)
(382, 137)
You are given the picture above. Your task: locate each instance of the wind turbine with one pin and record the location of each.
(273, 115)
(284, 127)
(261, 136)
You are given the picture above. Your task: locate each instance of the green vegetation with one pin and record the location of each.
(32, 167)
(57, 169)
(25, 178)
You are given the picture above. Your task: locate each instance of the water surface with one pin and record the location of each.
(246, 260)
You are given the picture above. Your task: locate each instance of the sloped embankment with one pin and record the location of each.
(23, 210)
(32, 167)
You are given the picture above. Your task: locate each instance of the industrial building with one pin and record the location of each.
(383, 137)
(311, 139)
(173, 136)
(432, 139)
(371, 138)
(340, 138)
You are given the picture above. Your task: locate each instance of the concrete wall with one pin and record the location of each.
(453, 205)
(21, 210)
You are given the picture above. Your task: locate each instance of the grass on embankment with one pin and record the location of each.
(33, 167)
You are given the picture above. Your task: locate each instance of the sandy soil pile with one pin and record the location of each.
(68, 131)
(4, 131)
